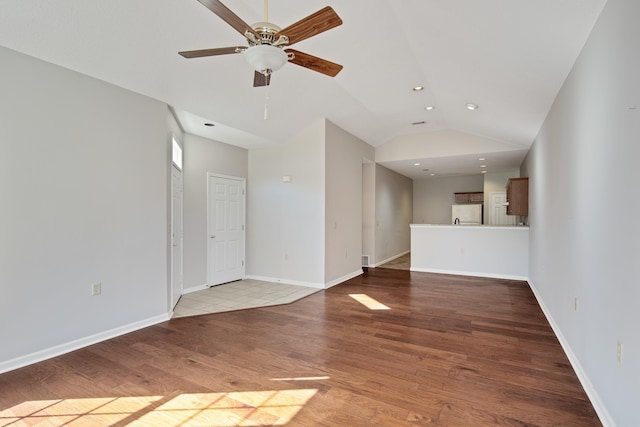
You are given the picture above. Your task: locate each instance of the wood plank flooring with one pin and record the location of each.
(448, 351)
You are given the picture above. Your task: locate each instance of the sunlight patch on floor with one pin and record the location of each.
(247, 408)
(369, 302)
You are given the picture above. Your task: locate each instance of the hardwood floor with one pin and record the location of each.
(447, 351)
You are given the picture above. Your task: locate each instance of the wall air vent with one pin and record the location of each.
(365, 260)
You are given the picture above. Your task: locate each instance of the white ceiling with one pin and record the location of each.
(508, 56)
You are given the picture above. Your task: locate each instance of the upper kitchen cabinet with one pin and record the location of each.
(473, 197)
(518, 196)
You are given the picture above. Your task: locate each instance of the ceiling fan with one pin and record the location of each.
(266, 52)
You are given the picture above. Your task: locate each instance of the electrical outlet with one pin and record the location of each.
(96, 289)
(619, 355)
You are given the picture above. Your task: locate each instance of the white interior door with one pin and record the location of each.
(498, 211)
(225, 225)
(176, 234)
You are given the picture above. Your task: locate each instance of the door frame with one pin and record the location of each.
(243, 216)
(173, 251)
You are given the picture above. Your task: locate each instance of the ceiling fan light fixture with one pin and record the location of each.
(265, 58)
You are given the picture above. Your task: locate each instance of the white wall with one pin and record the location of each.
(83, 184)
(485, 251)
(369, 211)
(175, 131)
(201, 156)
(394, 212)
(307, 231)
(285, 221)
(585, 239)
(432, 198)
(343, 206)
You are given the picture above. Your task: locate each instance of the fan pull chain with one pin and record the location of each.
(266, 101)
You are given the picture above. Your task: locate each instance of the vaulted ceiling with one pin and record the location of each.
(509, 57)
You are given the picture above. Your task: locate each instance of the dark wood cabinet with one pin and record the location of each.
(474, 197)
(518, 196)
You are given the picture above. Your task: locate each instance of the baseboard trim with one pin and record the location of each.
(286, 281)
(389, 259)
(470, 273)
(598, 405)
(48, 353)
(195, 289)
(343, 279)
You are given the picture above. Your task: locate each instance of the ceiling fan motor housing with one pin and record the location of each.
(266, 32)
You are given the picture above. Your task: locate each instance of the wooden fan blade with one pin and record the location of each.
(228, 16)
(260, 79)
(314, 63)
(321, 21)
(211, 52)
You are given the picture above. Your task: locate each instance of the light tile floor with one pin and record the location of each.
(401, 263)
(239, 295)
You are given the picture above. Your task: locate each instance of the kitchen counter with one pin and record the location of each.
(472, 250)
(469, 225)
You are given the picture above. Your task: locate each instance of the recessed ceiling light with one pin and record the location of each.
(481, 158)
(418, 88)
(416, 164)
(429, 107)
(483, 166)
(484, 171)
(471, 106)
(432, 174)
(209, 124)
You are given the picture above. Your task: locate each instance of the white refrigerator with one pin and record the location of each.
(466, 214)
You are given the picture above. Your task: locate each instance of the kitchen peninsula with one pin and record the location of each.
(471, 250)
